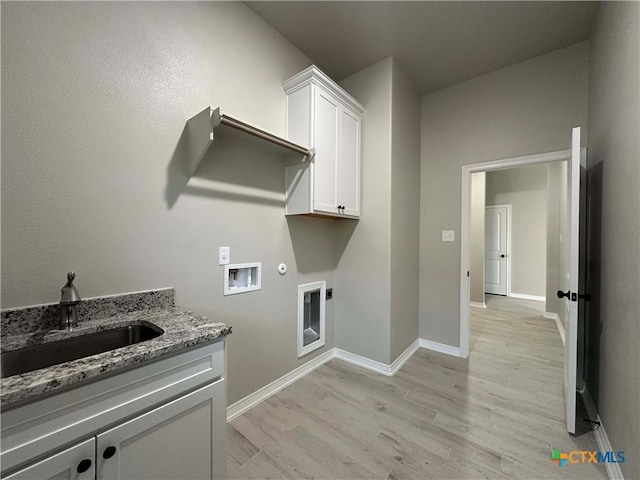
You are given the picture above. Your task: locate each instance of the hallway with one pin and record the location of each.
(497, 415)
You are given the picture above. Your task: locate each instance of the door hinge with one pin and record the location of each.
(591, 421)
(467, 273)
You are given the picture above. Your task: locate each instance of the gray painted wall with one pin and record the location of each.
(363, 275)
(405, 213)
(614, 168)
(524, 109)
(525, 189)
(477, 236)
(95, 99)
(376, 299)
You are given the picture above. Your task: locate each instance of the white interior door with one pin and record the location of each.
(571, 295)
(495, 255)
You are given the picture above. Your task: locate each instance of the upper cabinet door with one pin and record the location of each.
(349, 162)
(325, 162)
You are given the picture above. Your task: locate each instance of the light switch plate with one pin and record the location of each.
(448, 235)
(224, 254)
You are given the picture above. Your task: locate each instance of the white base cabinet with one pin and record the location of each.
(164, 420)
(323, 116)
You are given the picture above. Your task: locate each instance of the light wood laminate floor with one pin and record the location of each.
(497, 415)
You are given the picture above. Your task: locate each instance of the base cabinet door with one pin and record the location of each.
(182, 439)
(75, 463)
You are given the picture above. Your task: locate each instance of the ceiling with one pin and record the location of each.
(437, 44)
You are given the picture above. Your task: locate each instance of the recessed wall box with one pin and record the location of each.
(311, 316)
(242, 277)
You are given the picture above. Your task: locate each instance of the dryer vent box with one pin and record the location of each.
(311, 316)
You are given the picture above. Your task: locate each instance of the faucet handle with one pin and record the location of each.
(70, 277)
(69, 293)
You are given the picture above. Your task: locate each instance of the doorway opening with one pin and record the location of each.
(570, 280)
(466, 226)
(513, 233)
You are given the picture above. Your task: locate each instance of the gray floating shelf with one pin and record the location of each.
(201, 127)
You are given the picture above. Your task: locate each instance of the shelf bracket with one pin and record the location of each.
(201, 127)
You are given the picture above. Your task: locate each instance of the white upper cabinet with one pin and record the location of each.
(324, 117)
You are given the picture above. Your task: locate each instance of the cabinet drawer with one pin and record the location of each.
(63, 465)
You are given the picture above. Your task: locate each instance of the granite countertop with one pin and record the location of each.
(182, 329)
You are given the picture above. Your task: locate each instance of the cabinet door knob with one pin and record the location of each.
(109, 452)
(84, 465)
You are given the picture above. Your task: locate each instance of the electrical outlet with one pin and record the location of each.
(224, 255)
(448, 236)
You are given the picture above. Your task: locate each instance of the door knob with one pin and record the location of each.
(573, 297)
(502, 256)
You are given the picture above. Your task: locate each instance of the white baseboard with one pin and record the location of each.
(363, 362)
(374, 365)
(526, 296)
(556, 317)
(478, 304)
(440, 347)
(404, 356)
(253, 399)
(604, 445)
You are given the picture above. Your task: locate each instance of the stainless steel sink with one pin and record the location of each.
(46, 354)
